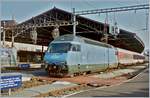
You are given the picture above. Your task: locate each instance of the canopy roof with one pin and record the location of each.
(86, 27)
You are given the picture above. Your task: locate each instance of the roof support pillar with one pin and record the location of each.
(74, 22)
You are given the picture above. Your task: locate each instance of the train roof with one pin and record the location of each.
(71, 37)
(68, 37)
(128, 51)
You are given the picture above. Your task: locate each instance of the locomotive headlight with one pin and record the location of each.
(54, 67)
(63, 65)
(45, 64)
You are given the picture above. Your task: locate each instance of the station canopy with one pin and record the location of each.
(86, 27)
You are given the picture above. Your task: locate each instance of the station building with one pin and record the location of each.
(28, 51)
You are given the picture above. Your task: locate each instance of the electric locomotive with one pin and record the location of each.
(68, 55)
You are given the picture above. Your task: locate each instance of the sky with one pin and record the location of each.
(134, 21)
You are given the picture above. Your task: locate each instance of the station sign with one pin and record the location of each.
(8, 82)
(24, 66)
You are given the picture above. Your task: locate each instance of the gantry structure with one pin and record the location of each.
(45, 23)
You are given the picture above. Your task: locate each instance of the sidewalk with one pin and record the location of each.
(34, 91)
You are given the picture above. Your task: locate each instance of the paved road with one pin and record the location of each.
(137, 87)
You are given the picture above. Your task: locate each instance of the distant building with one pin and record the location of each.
(8, 23)
(28, 52)
(25, 52)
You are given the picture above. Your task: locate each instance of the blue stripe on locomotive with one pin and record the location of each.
(55, 58)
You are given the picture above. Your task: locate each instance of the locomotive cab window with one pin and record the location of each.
(75, 47)
(59, 48)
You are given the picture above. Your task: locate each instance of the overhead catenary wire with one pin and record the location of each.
(115, 9)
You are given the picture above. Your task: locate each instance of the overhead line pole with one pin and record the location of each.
(1, 36)
(74, 22)
(4, 33)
